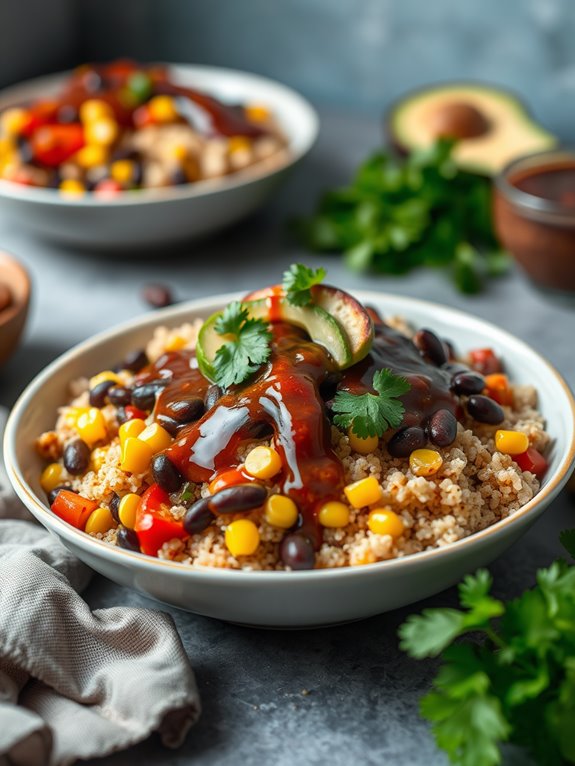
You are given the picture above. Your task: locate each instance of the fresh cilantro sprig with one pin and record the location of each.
(397, 215)
(518, 684)
(246, 348)
(298, 281)
(372, 414)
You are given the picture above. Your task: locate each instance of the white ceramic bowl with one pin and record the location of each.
(151, 217)
(290, 599)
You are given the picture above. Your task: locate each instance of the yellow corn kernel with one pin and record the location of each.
(136, 455)
(98, 458)
(51, 477)
(178, 152)
(95, 380)
(384, 521)
(156, 437)
(175, 344)
(131, 429)
(92, 426)
(72, 187)
(122, 171)
(334, 515)
(263, 462)
(280, 511)
(100, 520)
(257, 113)
(239, 144)
(242, 537)
(363, 492)
(362, 446)
(94, 109)
(103, 131)
(12, 121)
(425, 462)
(127, 509)
(163, 109)
(511, 442)
(91, 156)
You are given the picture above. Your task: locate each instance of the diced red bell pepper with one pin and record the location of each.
(73, 508)
(497, 387)
(133, 412)
(142, 116)
(533, 461)
(485, 361)
(154, 524)
(54, 144)
(229, 479)
(40, 114)
(107, 187)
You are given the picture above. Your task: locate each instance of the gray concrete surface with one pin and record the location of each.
(336, 695)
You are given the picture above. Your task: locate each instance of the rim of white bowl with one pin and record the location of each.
(102, 549)
(299, 145)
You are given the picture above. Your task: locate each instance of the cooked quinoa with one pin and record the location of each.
(475, 487)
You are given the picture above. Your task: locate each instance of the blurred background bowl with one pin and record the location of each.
(153, 217)
(14, 277)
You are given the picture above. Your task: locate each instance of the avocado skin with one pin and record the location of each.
(481, 161)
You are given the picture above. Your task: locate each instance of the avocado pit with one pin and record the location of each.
(458, 120)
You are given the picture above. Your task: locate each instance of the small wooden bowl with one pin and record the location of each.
(13, 318)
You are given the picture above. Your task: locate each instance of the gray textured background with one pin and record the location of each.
(349, 53)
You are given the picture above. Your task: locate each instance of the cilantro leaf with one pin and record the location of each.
(516, 683)
(247, 348)
(298, 281)
(397, 215)
(372, 414)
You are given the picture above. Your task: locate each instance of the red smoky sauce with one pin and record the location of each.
(109, 82)
(286, 396)
(554, 182)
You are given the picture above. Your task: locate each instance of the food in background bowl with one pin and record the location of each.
(292, 430)
(122, 126)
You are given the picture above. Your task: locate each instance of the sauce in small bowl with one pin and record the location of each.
(534, 211)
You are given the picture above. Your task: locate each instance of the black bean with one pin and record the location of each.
(405, 441)
(485, 410)
(172, 426)
(144, 397)
(179, 177)
(239, 498)
(53, 493)
(93, 82)
(166, 474)
(127, 538)
(157, 296)
(120, 396)
(198, 516)
(328, 386)
(297, 552)
(98, 393)
(122, 415)
(455, 367)
(114, 506)
(76, 457)
(467, 383)
(450, 348)
(442, 428)
(186, 411)
(66, 114)
(25, 151)
(430, 346)
(135, 361)
(212, 395)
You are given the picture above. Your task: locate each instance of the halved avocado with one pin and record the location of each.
(335, 320)
(492, 126)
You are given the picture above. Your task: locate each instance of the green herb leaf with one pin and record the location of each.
(298, 281)
(372, 414)
(395, 216)
(516, 683)
(247, 348)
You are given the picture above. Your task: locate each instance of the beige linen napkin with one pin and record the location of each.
(76, 683)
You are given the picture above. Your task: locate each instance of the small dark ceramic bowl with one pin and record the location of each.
(539, 232)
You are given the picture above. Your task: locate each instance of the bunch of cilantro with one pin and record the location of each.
(515, 681)
(400, 214)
